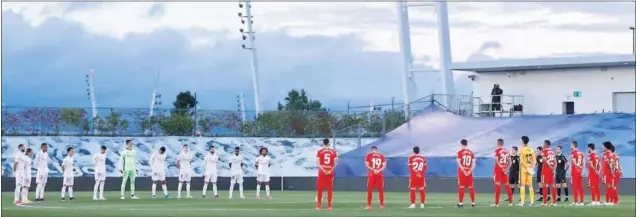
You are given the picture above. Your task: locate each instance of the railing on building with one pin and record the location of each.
(508, 105)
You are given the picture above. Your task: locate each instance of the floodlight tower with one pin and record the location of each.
(443, 31)
(156, 97)
(90, 83)
(247, 19)
(241, 106)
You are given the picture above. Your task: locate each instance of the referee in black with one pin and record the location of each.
(561, 168)
(513, 173)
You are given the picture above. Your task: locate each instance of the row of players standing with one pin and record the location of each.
(127, 167)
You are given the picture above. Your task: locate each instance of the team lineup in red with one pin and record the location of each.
(552, 167)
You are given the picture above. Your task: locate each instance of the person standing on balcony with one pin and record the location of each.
(496, 98)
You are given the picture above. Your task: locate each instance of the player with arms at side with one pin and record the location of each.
(236, 169)
(539, 153)
(42, 175)
(263, 162)
(26, 176)
(576, 173)
(158, 163)
(376, 163)
(608, 177)
(99, 164)
(562, 167)
(465, 167)
(128, 167)
(184, 163)
(526, 169)
(594, 175)
(326, 159)
(617, 171)
(513, 172)
(417, 168)
(211, 174)
(67, 169)
(547, 176)
(502, 165)
(18, 173)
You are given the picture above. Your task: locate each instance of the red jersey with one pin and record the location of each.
(502, 156)
(549, 161)
(606, 163)
(466, 158)
(593, 159)
(616, 167)
(326, 158)
(577, 162)
(375, 160)
(417, 165)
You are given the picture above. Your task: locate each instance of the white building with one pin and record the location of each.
(550, 85)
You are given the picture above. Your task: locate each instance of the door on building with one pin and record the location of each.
(624, 102)
(568, 108)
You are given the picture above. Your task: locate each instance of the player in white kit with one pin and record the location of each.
(263, 162)
(42, 175)
(99, 164)
(67, 169)
(26, 176)
(158, 163)
(209, 165)
(18, 173)
(236, 170)
(184, 162)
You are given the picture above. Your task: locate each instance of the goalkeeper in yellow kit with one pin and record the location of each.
(526, 169)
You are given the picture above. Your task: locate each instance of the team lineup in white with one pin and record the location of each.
(127, 166)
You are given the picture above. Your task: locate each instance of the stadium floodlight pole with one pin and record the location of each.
(445, 56)
(90, 81)
(155, 96)
(405, 49)
(252, 48)
(241, 106)
(633, 39)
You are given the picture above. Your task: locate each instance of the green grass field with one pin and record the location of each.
(289, 203)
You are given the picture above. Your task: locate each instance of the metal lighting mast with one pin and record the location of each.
(444, 49)
(156, 97)
(90, 83)
(241, 106)
(249, 36)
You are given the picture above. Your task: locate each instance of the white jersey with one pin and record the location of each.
(99, 163)
(19, 162)
(210, 163)
(263, 164)
(236, 161)
(42, 162)
(158, 162)
(67, 163)
(26, 167)
(185, 161)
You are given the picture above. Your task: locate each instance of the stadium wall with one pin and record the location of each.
(394, 184)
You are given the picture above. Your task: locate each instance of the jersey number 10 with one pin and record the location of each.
(467, 160)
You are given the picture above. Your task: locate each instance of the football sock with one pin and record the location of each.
(509, 193)
(567, 192)
(319, 195)
(154, 189)
(17, 192)
(214, 189)
(553, 195)
(615, 195)
(179, 189)
(497, 193)
(381, 194)
(607, 193)
(559, 192)
(38, 186)
(522, 193)
(471, 191)
(25, 194)
(241, 189)
(188, 188)
(101, 189)
(63, 191)
(329, 193)
(369, 195)
(412, 196)
(422, 196)
(581, 193)
(530, 189)
(165, 189)
(231, 189)
(545, 194)
(70, 191)
(267, 190)
(461, 195)
(258, 190)
(95, 189)
(205, 188)
(540, 191)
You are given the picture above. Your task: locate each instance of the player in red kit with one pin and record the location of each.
(547, 172)
(502, 163)
(594, 175)
(576, 173)
(326, 158)
(617, 171)
(417, 168)
(608, 177)
(465, 167)
(376, 162)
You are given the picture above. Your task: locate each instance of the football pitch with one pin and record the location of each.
(290, 203)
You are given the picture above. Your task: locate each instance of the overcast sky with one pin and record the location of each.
(338, 52)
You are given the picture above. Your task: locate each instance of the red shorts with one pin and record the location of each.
(375, 181)
(416, 182)
(547, 178)
(593, 181)
(608, 179)
(577, 179)
(324, 180)
(500, 177)
(617, 178)
(464, 180)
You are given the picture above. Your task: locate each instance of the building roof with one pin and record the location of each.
(546, 63)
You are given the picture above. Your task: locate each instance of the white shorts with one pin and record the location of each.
(185, 176)
(237, 178)
(26, 181)
(18, 178)
(68, 180)
(210, 178)
(159, 176)
(262, 178)
(100, 176)
(41, 177)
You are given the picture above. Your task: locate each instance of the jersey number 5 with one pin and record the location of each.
(467, 160)
(418, 166)
(327, 159)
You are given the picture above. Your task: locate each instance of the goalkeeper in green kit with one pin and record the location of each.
(127, 166)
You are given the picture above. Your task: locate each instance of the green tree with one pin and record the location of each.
(180, 122)
(184, 103)
(297, 115)
(74, 117)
